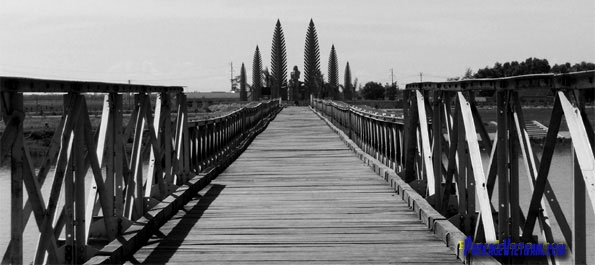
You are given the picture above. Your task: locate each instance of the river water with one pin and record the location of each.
(560, 179)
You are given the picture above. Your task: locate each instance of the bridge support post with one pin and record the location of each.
(410, 113)
(513, 148)
(502, 165)
(579, 240)
(13, 114)
(437, 148)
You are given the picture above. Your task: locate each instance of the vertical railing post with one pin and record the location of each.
(513, 154)
(579, 233)
(410, 113)
(437, 147)
(79, 187)
(502, 153)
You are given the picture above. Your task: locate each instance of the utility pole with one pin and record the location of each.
(420, 77)
(392, 77)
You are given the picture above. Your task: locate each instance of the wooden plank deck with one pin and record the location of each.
(296, 195)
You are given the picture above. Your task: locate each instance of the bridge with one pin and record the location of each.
(329, 183)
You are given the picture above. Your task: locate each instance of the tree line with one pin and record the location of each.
(529, 66)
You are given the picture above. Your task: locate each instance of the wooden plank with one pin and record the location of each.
(480, 181)
(155, 170)
(513, 154)
(78, 185)
(492, 171)
(119, 156)
(437, 148)
(579, 225)
(179, 138)
(185, 139)
(411, 117)
(69, 199)
(134, 189)
(452, 161)
(13, 103)
(462, 160)
(581, 144)
(167, 141)
(155, 165)
(502, 166)
(426, 150)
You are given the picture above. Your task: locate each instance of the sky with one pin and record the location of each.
(192, 43)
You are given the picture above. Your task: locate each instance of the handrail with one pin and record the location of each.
(73, 221)
(574, 80)
(35, 85)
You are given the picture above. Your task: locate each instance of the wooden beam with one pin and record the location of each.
(480, 181)
(119, 164)
(92, 194)
(13, 103)
(66, 137)
(23, 84)
(579, 216)
(155, 168)
(544, 168)
(513, 169)
(134, 192)
(411, 119)
(581, 144)
(502, 165)
(576, 80)
(78, 185)
(531, 173)
(452, 160)
(426, 151)
(437, 147)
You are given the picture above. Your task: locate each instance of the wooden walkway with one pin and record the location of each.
(296, 195)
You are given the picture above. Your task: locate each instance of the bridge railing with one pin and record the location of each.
(437, 147)
(378, 134)
(133, 164)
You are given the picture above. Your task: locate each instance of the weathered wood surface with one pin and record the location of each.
(296, 195)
